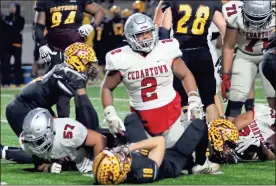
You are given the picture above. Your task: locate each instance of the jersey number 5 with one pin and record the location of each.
(202, 15)
(68, 134)
(57, 17)
(148, 87)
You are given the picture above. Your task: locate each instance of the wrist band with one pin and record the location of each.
(93, 24)
(195, 92)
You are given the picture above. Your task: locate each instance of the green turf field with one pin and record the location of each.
(248, 173)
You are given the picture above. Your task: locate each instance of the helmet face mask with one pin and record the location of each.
(137, 25)
(38, 130)
(257, 14)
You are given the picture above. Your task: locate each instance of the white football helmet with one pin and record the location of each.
(137, 24)
(38, 130)
(257, 14)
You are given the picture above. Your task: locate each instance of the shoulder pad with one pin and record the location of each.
(264, 113)
(114, 59)
(170, 47)
(75, 131)
(232, 13)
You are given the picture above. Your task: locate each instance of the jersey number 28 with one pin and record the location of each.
(202, 15)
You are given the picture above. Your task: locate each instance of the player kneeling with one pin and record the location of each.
(55, 142)
(131, 164)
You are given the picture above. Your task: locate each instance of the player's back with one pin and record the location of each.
(63, 18)
(191, 20)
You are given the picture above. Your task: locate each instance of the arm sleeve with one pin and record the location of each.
(39, 34)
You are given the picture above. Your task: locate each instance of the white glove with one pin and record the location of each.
(115, 124)
(85, 30)
(195, 108)
(56, 168)
(245, 142)
(45, 53)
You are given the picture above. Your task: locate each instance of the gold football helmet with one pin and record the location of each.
(114, 10)
(221, 132)
(111, 167)
(139, 6)
(80, 57)
(126, 13)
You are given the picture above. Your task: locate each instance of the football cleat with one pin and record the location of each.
(208, 168)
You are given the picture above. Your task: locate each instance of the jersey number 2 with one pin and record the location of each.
(68, 134)
(148, 87)
(57, 17)
(202, 15)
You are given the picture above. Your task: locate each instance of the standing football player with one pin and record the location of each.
(190, 21)
(64, 79)
(146, 67)
(63, 21)
(248, 26)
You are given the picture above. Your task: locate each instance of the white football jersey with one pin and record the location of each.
(69, 137)
(148, 79)
(260, 127)
(250, 41)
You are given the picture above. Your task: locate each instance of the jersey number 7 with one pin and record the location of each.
(202, 15)
(57, 17)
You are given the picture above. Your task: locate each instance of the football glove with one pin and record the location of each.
(225, 85)
(195, 108)
(45, 53)
(245, 142)
(85, 30)
(56, 168)
(115, 124)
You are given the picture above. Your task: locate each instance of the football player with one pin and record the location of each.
(146, 67)
(190, 21)
(268, 65)
(57, 141)
(248, 26)
(148, 160)
(64, 79)
(257, 127)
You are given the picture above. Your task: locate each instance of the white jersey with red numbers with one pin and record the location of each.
(69, 137)
(149, 82)
(250, 41)
(148, 79)
(261, 126)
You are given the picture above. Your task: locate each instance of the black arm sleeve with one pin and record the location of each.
(165, 5)
(39, 34)
(86, 113)
(163, 33)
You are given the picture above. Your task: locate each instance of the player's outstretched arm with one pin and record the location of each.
(167, 19)
(155, 145)
(40, 18)
(158, 14)
(184, 74)
(97, 11)
(243, 120)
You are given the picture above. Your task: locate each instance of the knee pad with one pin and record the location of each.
(233, 108)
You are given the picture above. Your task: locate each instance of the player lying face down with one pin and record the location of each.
(63, 80)
(55, 142)
(256, 137)
(148, 160)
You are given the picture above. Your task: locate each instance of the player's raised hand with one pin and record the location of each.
(45, 53)
(56, 168)
(115, 124)
(195, 108)
(225, 85)
(85, 30)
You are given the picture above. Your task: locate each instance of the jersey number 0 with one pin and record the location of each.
(202, 15)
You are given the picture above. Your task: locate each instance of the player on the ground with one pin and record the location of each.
(146, 67)
(190, 21)
(248, 26)
(147, 160)
(64, 79)
(269, 65)
(63, 21)
(57, 141)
